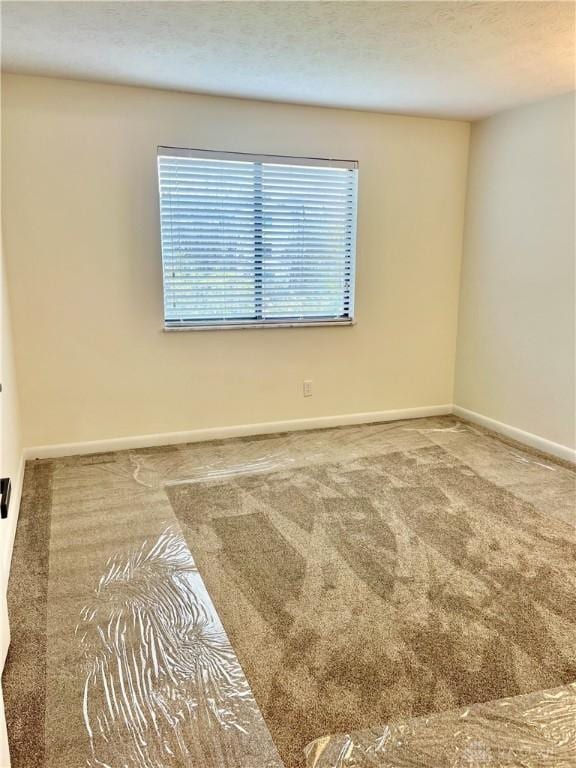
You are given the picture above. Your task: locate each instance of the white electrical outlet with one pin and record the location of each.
(307, 388)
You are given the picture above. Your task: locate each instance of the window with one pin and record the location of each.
(253, 240)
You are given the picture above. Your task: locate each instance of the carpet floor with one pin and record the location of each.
(398, 584)
(222, 605)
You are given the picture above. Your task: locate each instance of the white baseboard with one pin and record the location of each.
(241, 430)
(292, 425)
(528, 438)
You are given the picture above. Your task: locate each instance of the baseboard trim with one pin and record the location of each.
(241, 430)
(292, 425)
(527, 438)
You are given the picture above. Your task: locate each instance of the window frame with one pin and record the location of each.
(231, 324)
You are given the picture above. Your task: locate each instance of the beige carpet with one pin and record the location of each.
(362, 574)
(384, 587)
(534, 730)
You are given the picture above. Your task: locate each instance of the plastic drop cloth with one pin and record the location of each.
(162, 685)
(137, 668)
(534, 731)
(537, 730)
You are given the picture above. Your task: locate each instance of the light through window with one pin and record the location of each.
(256, 239)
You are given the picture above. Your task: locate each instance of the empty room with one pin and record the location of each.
(288, 386)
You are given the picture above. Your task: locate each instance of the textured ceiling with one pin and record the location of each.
(452, 59)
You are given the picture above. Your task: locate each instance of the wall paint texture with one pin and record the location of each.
(82, 238)
(516, 337)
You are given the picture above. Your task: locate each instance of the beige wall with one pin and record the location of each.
(516, 342)
(82, 238)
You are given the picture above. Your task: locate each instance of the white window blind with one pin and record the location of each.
(256, 239)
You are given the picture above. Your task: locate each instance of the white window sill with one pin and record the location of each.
(252, 326)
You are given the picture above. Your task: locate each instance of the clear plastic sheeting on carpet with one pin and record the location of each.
(364, 574)
(537, 730)
(163, 686)
(220, 460)
(121, 658)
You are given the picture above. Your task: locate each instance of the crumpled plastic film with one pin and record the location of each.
(537, 730)
(162, 684)
(222, 460)
(226, 459)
